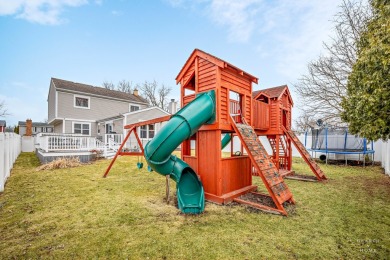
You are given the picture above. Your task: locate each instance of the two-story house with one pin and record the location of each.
(76, 108)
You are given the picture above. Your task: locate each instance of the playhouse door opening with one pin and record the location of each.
(284, 118)
(235, 106)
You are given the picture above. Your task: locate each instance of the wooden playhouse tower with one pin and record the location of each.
(226, 178)
(272, 119)
(239, 113)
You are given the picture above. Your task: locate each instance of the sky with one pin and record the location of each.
(137, 40)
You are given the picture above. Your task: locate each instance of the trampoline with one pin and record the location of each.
(338, 141)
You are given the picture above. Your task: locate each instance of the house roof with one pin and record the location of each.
(213, 59)
(3, 123)
(131, 113)
(274, 92)
(98, 91)
(34, 124)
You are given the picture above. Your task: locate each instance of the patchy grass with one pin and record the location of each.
(75, 213)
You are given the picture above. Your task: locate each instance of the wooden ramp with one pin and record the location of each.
(306, 156)
(277, 189)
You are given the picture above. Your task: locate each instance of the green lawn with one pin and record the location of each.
(75, 213)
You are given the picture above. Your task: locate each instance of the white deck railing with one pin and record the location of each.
(52, 142)
(116, 138)
(10, 148)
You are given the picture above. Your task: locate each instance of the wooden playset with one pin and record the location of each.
(217, 100)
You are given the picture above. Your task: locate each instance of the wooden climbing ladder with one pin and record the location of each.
(277, 188)
(306, 156)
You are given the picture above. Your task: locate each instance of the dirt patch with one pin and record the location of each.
(260, 199)
(301, 177)
(370, 185)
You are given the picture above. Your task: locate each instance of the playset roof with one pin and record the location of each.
(213, 59)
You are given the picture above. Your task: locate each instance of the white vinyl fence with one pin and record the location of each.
(386, 156)
(10, 148)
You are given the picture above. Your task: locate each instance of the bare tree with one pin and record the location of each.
(156, 96)
(323, 87)
(125, 86)
(304, 122)
(108, 85)
(163, 92)
(3, 110)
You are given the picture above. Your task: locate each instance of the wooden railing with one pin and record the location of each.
(235, 110)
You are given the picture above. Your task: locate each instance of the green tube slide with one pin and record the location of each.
(225, 140)
(181, 126)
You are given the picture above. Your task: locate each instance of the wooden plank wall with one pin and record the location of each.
(274, 115)
(260, 115)
(224, 105)
(192, 162)
(235, 81)
(248, 108)
(230, 169)
(207, 75)
(187, 99)
(209, 166)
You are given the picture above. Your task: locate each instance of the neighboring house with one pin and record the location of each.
(37, 127)
(76, 108)
(3, 125)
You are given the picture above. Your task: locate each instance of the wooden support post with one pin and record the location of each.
(118, 152)
(167, 177)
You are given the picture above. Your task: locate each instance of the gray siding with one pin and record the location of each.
(118, 126)
(58, 128)
(51, 103)
(99, 108)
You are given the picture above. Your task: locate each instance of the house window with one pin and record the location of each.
(81, 102)
(50, 130)
(147, 131)
(82, 128)
(151, 131)
(133, 108)
(144, 131)
(109, 127)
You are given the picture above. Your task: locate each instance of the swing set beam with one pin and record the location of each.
(133, 128)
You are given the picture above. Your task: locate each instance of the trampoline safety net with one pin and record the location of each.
(336, 140)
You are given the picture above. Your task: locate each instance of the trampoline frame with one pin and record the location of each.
(344, 151)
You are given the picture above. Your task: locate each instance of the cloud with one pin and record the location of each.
(290, 33)
(116, 13)
(38, 11)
